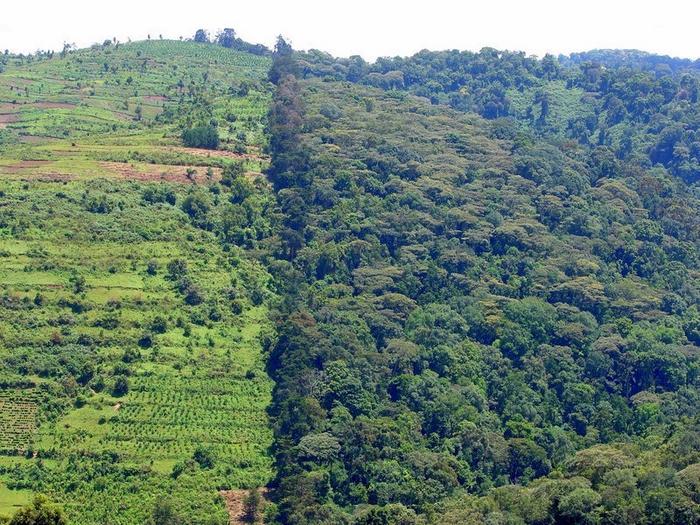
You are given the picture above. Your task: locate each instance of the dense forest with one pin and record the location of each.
(488, 265)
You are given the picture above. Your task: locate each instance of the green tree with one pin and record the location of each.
(253, 506)
(40, 512)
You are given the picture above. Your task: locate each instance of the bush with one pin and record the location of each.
(252, 506)
(121, 386)
(204, 457)
(159, 325)
(39, 513)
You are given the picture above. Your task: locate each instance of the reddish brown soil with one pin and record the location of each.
(7, 118)
(216, 153)
(155, 98)
(35, 139)
(160, 172)
(234, 505)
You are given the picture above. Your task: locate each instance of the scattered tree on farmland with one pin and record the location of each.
(164, 514)
(204, 457)
(206, 137)
(201, 36)
(39, 512)
(226, 38)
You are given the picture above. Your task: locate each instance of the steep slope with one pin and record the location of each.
(132, 366)
(481, 325)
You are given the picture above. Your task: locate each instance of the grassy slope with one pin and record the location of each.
(75, 138)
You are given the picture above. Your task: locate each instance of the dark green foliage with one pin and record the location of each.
(475, 306)
(121, 386)
(164, 514)
(204, 457)
(40, 512)
(201, 137)
(252, 506)
(201, 36)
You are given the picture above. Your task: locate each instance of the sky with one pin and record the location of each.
(369, 28)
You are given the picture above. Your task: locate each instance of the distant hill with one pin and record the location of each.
(631, 58)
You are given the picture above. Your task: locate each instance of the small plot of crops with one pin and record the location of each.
(128, 105)
(18, 410)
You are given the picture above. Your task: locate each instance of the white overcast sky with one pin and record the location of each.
(369, 28)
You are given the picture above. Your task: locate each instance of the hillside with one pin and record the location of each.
(488, 320)
(455, 287)
(131, 336)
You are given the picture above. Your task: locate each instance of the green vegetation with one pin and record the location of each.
(133, 313)
(488, 319)
(201, 137)
(473, 278)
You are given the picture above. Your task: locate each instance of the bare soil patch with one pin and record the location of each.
(234, 505)
(161, 172)
(35, 139)
(155, 98)
(216, 153)
(8, 118)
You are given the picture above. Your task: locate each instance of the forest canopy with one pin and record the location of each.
(489, 270)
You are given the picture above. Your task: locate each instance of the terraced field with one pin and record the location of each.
(131, 335)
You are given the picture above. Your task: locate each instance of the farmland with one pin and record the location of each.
(132, 336)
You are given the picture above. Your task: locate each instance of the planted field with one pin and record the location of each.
(131, 335)
(17, 419)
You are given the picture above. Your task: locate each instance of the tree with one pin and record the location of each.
(177, 269)
(121, 386)
(40, 512)
(164, 514)
(201, 36)
(206, 137)
(226, 38)
(252, 506)
(78, 283)
(283, 63)
(197, 205)
(204, 457)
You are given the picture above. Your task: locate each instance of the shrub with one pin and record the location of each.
(252, 506)
(152, 267)
(159, 325)
(204, 457)
(120, 387)
(39, 513)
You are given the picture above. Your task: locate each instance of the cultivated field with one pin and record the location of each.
(130, 338)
